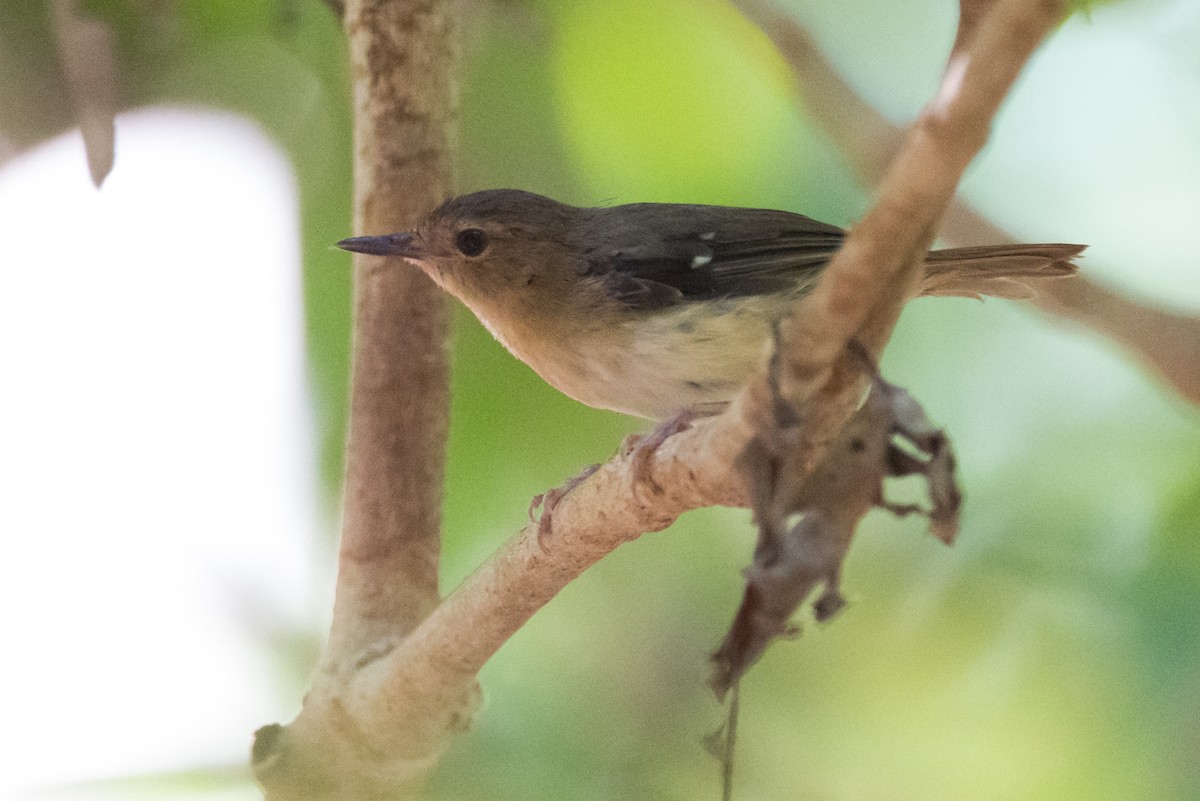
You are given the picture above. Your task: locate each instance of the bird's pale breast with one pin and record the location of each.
(696, 356)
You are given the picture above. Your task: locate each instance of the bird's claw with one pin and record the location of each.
(549, 499)
(641, 449)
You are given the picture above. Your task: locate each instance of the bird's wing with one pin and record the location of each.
(654, 255)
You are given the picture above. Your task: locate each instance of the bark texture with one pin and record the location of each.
(355, 739)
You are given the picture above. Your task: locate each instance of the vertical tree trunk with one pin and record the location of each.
(402, 64)
(352, 740)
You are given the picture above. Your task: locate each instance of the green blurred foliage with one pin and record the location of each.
(707, 115)
(1050, 655)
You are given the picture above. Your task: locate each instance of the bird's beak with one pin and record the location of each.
(403, 244)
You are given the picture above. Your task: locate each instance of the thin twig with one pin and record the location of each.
(730, 742)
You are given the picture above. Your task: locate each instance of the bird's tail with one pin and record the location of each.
(1002, 271)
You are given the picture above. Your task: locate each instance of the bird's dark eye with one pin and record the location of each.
(471, 241)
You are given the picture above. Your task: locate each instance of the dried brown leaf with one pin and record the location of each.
(890, 435)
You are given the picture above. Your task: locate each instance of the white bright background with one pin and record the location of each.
(156, 463)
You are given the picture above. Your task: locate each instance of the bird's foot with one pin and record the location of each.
(642, 447)
(550, 499)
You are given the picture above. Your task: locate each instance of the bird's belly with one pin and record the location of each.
(693, 357)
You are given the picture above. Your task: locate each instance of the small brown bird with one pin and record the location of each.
(655, 308)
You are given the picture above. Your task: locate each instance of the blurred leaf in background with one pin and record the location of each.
(1050, 655)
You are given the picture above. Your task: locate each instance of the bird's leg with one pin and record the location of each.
(550, 499)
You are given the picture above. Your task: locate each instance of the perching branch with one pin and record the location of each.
(355, 738)
(1167, 342)
(859, 297)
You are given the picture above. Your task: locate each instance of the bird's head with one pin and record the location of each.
(500, 246)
